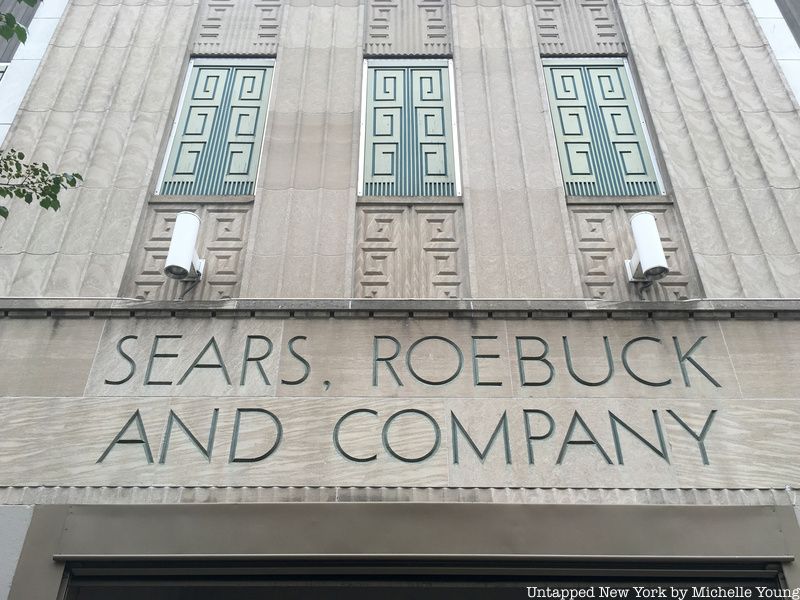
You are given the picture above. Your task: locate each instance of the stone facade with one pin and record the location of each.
(109, 120)
(482, 347)
(694, 389)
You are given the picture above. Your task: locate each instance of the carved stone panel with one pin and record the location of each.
(578, 27)
(604, 241)
(232, 28)
(408, 28)
(410, 251)
(436, 231)
(221, 242)
(380, 236)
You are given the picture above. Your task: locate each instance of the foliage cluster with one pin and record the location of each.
(31, 181)
(10, 28)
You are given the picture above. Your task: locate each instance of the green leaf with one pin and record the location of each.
(28, 2)
(32, 181)
(22, 33)
(3, 212)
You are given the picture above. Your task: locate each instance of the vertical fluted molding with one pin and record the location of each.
(302, 236)
(730, 136)
(519, 240)
(98, 105)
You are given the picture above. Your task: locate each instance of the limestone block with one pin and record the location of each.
(719, 275)
(33, 274)
(66, 274)
(47, 357)
(102, 274)
(580, 421)
(758, 281)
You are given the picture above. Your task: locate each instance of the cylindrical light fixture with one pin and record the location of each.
(182, 247)
(650, 253)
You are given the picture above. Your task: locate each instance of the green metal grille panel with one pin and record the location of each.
(409, 139)
(601, 141)
(217, 143)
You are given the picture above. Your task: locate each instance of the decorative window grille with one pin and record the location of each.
(408, 133)
(602, 140)
(216, 142)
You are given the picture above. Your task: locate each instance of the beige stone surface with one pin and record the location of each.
(408, 29)
(192, 336)
(47, 357)
(98, 105)
(537, 495)
(52, 433)
(518, 230)
(728, 129)
(723, 120)
(764, 358)
(436, 358)
(58, 441)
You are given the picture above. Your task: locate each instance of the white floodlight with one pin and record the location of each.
(648, 262)
(182, 260)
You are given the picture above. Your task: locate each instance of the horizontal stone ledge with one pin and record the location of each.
(343, 308)
(56, 494)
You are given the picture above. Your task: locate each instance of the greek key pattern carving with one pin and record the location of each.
(601, 143)
(439, 266)
(604, 241)
(577, 27)
(221, 242)
(409, 251)
(216, 146)
(409, 138)
(380, 236)
(233, 28)
(408, 28)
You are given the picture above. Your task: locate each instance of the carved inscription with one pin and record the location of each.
(540, 429)
(398, 363)
(253, 400)
(165, 359)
